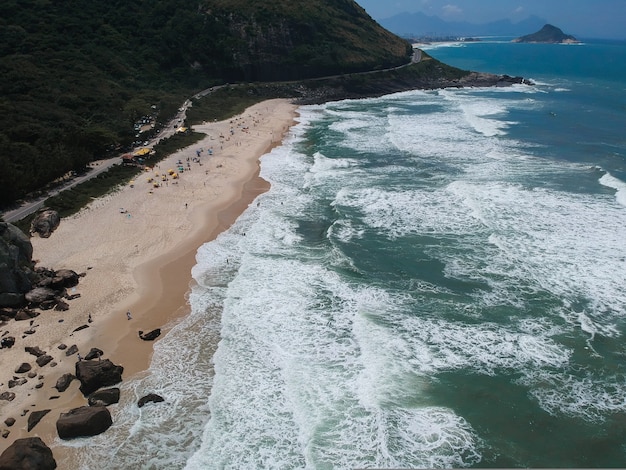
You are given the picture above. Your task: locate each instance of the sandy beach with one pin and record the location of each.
(136, 248)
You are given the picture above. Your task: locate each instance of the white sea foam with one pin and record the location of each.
(317, 367)
(611, 181)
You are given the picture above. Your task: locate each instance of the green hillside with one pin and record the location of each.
(76, 75)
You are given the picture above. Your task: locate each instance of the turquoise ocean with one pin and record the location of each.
(435, 279)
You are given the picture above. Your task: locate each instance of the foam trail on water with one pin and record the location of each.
(611, 181)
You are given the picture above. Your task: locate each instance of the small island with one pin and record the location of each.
(548, 35)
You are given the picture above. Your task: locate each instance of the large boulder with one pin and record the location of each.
(35, 417)
(57, 280)
(105, 397)
(64, 382)
(44, 223)
(27, 454)
(97, 374)
(41, 294)
(16, 265)
(151, 335)
(84, 421)
(149, 398)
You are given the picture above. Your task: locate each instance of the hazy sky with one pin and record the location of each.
(586, 18)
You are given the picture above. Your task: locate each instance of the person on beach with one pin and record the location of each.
(128, 315)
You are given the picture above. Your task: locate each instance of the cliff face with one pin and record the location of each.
(16, 266)
(276, 40)
(548, 34)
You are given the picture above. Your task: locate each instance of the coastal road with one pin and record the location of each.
(96, 168)
(168, 130)
(31, 206)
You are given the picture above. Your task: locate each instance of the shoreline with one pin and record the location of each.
(138, 261)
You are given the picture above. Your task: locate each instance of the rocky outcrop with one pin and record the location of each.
(84, 421)
(44, 223)
(64, 382)
(105, 397)
(97, 374)
(16, 265)
(549, 34)
(150, 397)
(150, 335)
(35, 417)
(27, 454)
(21, 283)
(428, 74)
(7, 342)
(35, 351)
(94, 353)
(23, 367)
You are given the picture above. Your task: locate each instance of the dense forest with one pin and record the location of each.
(76, 75)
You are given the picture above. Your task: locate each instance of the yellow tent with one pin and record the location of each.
(141, 151)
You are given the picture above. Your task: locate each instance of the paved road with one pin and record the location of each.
(168, 130)
(96, 168)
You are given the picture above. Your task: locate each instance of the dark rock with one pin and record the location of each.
(64, 279)
(151, 335)
(31, 375)
(39, 295)
(29, 453)
(43, 360)
(5, 433)
(94, 353)
(39, 385)
(72, 296)
(62, 346)
(48, 304)
(84, 421)
(150, 397)
(105, 397)
(73, 349)
(7, 342)
(97, 374)
(12, 299)
(35, 351)
(54, 397)
(23, 367)
(64, 382)
(30, 332)
(8, 396)
(35, 417)
(26, 314)
(61, 306)
(16, 266)
(8, 312)
(81, 327)
(16, 382)
(44, 223)
(9, 422)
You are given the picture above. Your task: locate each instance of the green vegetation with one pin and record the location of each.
(224, 103)
(76, 75)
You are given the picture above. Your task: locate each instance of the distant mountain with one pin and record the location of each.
(548, 34)
(420, 24)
